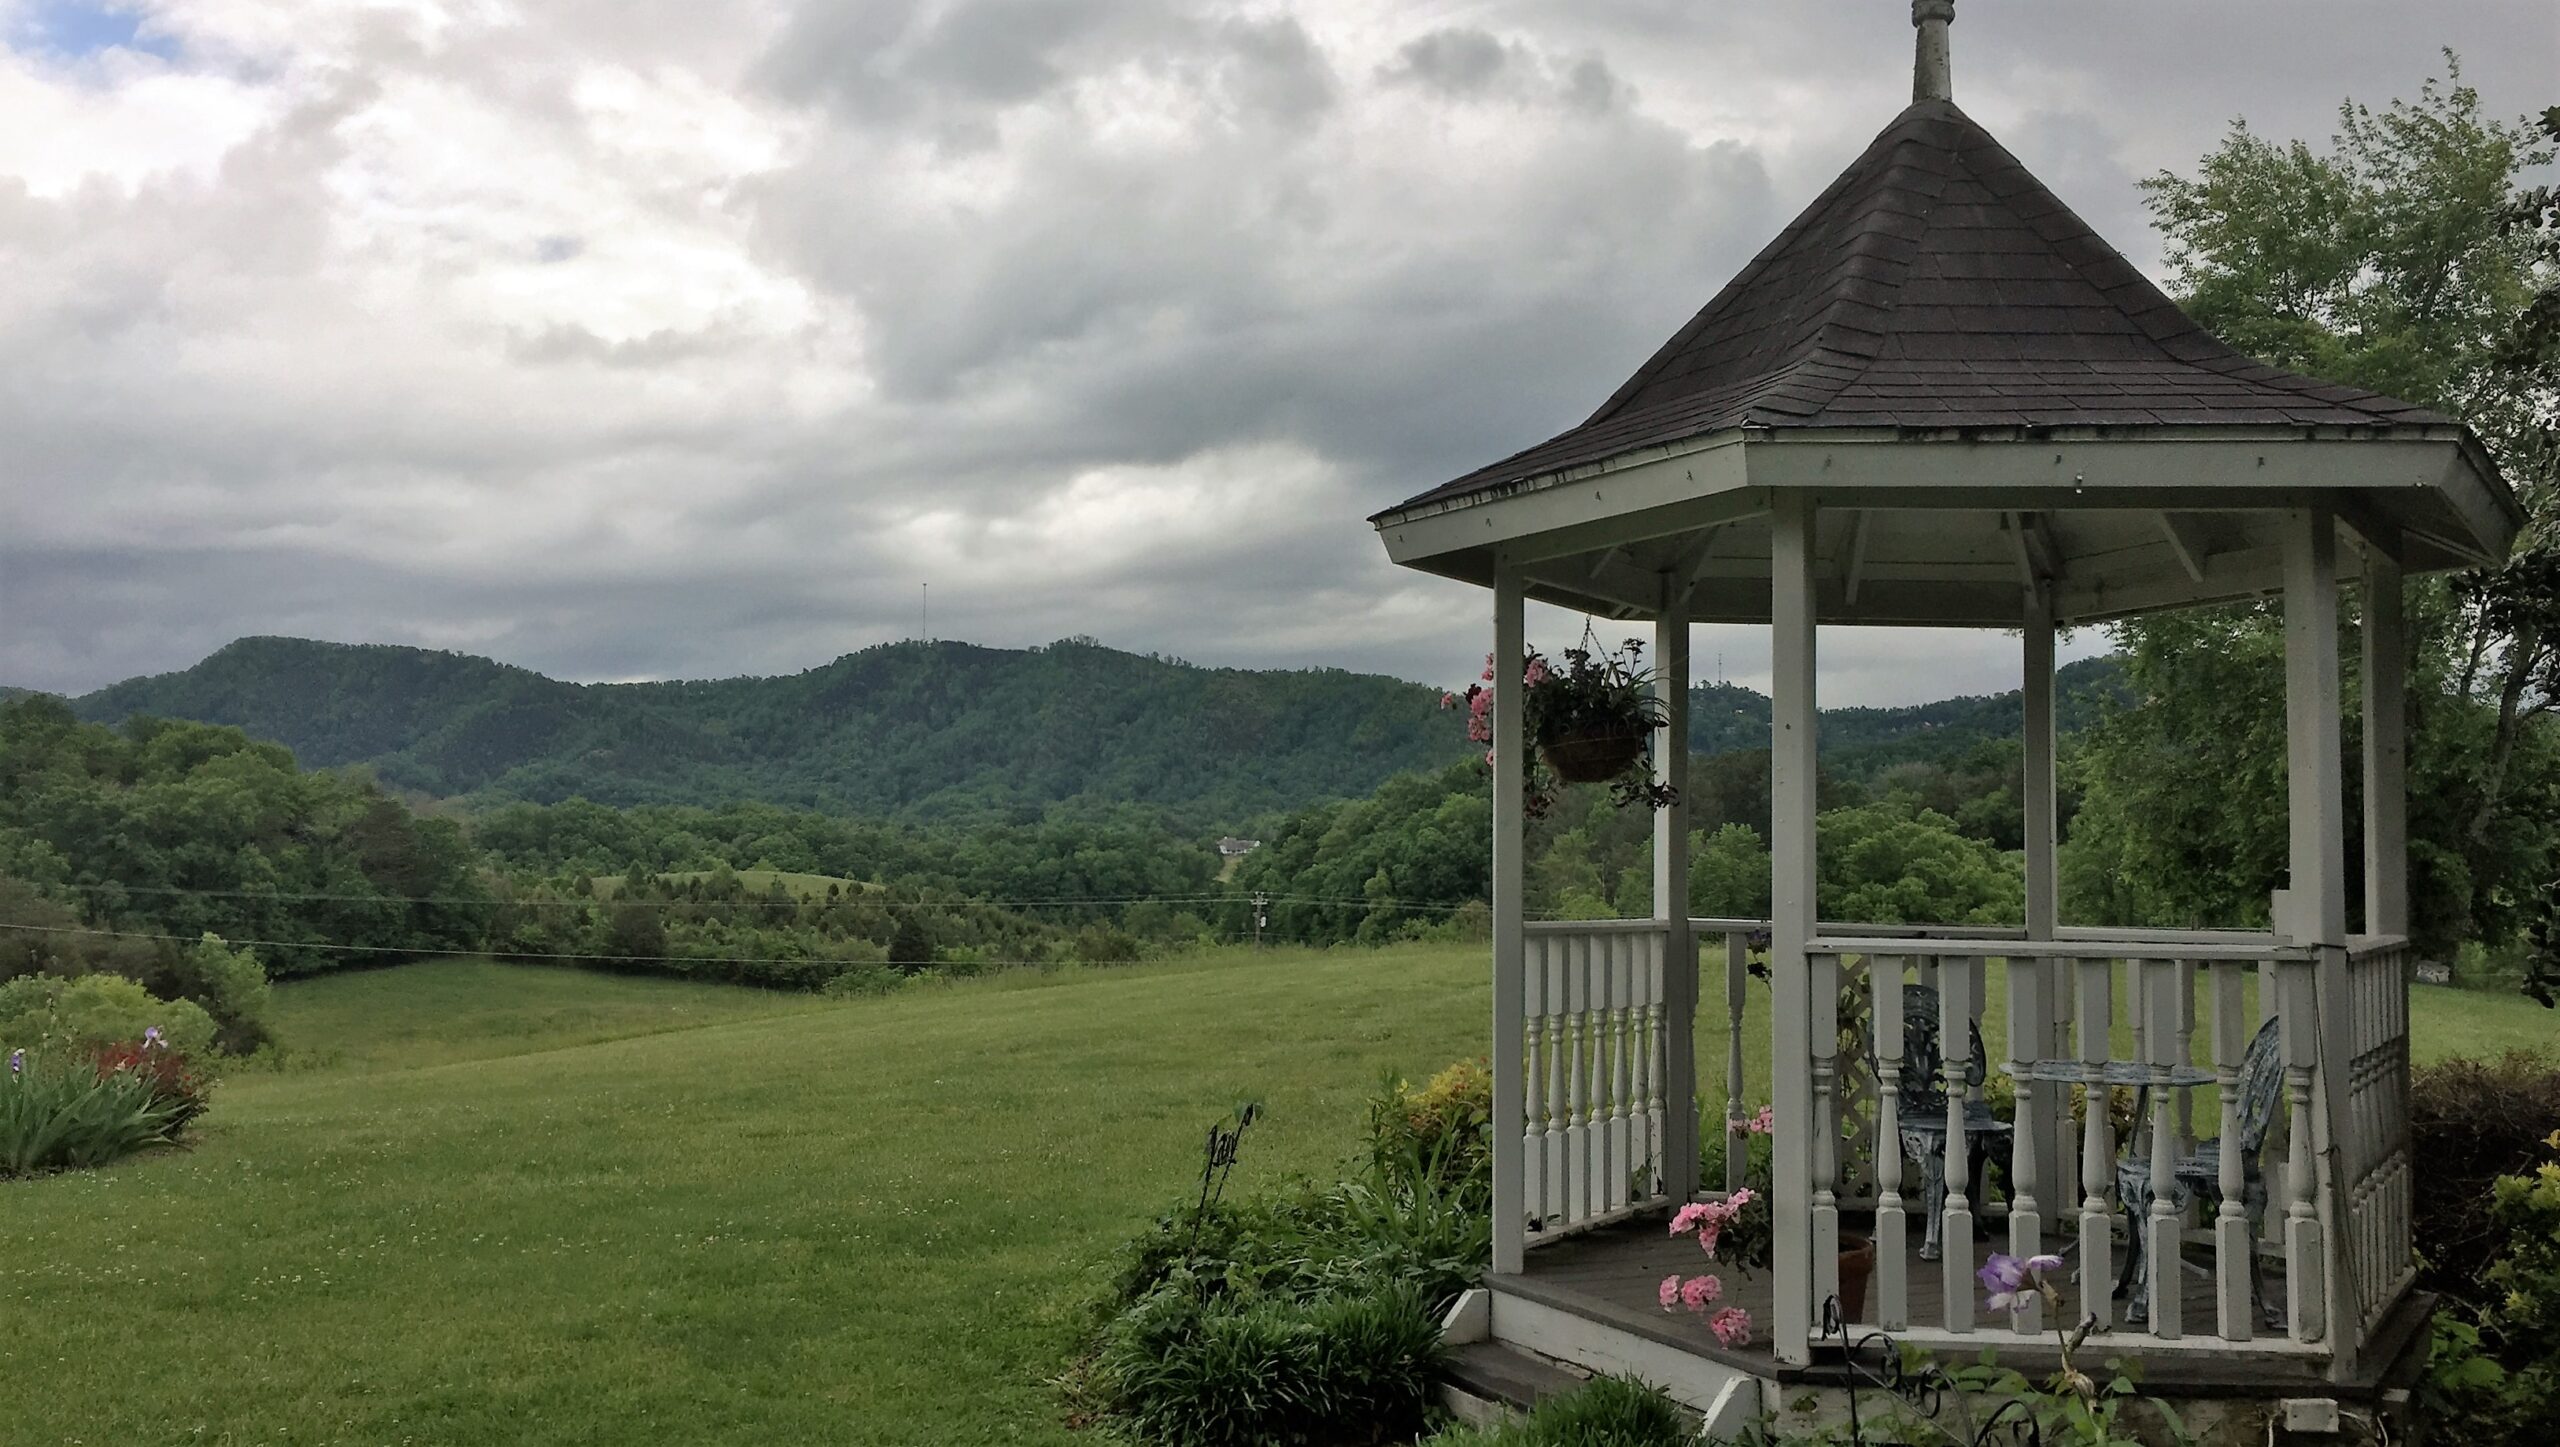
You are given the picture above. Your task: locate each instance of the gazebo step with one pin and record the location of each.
(1507, 1375)
(1591, 1336)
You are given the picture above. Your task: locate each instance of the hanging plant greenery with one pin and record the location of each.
(1590, 721)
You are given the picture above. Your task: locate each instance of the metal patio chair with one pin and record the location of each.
(2199, 1176)
(1923, 1113)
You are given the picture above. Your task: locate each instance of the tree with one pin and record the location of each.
(1729, 874)
(2404, 258)
(1891, 864)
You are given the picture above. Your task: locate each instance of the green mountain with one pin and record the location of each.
(913, 730)
(917, 730)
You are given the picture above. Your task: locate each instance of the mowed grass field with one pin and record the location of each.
(518, 1205)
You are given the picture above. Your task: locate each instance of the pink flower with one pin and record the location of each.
(1709, 1218)
(1671, 1291)
(1536, 673)
(1732, 1326)
(1762, 1123)
(1698, 1291)
(1448, 700)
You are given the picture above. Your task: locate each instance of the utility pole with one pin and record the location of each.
(1260, 918)
(924, 622)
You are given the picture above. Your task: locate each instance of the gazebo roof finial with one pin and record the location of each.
(1929, 72)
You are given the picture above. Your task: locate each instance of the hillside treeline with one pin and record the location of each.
(122, 849)
(924, 733)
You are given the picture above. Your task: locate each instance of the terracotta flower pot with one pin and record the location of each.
(1595, 757)
(1857, 1264)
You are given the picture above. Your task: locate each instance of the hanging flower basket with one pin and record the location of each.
(1589, 722)
(1594, 756)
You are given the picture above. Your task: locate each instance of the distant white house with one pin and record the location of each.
(1233, 848)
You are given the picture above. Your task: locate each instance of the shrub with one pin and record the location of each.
(2494, 1374)
(1103, 944)
(867, 978)
(63, 1113)
(1444, 1129)
(230, 984)
(1605, 1412)
(1307, 1316)
(2474, 1121)
(81, 1015)
(1379, 1226)
(1191, 1369)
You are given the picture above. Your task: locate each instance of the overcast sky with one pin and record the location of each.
(656, 338)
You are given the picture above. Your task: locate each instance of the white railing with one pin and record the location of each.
(2373, 1141)
(1597, 1082)
(1609, 1086)
(2070, 1184)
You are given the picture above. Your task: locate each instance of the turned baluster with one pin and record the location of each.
(2027, 1033)
(2166, 1242)
(1533, 1082)
(2234, 1252)
(1649, 970)
(1737, 1141)
(2304, 1283)
(1955, 1232)
(1621, 1168)
(1577, 1133)
(1825, 1031)
(1893, 1271)
(1559, 1104)
(2097, 1143)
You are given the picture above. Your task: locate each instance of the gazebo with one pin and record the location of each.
(1937, 398)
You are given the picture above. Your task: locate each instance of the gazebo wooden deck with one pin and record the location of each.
(1937, 398)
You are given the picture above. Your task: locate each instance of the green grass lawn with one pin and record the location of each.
(518, 1205)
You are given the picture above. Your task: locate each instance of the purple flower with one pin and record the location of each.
(2011, 1281)
(17, 1061)
(151, 1038)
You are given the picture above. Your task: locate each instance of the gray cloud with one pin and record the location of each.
(692, 340)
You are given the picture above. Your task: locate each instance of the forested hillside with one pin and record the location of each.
(923, 732)
(122, 850)
(920, 731)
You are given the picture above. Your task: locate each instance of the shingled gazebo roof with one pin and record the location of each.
(1938, 284)
(1980, 395)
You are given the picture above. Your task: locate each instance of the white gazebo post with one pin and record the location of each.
(2314, 998)
(1794, 1253)
(1510, 811)
(2386, 746)
(2034, 986)
(1680, 1141)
